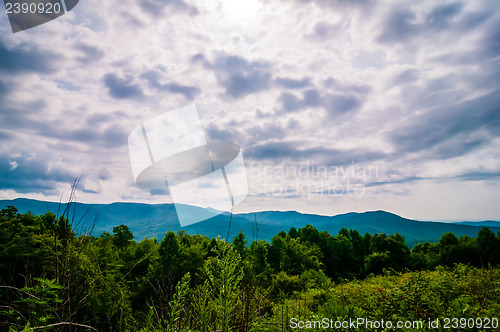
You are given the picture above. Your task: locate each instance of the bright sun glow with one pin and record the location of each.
(240, 10)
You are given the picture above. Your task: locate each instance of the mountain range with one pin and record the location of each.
(153, 220)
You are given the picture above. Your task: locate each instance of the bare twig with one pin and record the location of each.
(230, 219)
(60, 324)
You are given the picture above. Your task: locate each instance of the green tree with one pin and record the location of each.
(487, 245)
(449, 249)
(122, 236)
(224, 273)
(239, 243)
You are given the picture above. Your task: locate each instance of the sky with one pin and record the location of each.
(337, 105)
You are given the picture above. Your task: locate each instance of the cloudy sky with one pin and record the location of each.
(337, 105)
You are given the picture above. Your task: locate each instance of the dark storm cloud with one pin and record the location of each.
(122, 88)
(450, 131)
(189, 92)
(322, 155)
(240, 77)
(22, 59)
(31, 174)
(332, 103)
(290, 83)
(90, 53)
(157, 8)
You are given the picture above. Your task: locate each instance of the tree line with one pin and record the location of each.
(50, 277)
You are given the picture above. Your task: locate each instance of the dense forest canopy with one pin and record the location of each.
(50, 277)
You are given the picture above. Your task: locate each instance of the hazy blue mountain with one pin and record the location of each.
(153, 220)
(487, 223)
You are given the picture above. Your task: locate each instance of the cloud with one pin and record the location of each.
(492, 42)
(441, 16)
(27, 59)
(472, 20)
(290, 83)
(31, 173)
(399, 26)
(290, 102)
(337, 104)
(267, 131)
(450, 131)
(396, 181)
(239, 76)
(334, 82)
(466, 176)
(332, 103)
(4, 135)
(322, 30)
(200, 58)
(189, 92)
(4, 88)
(156, 8)
(122, 88)
(216, 133)
(365, 60)
(17, 117)
(480, 176)
(91, 54)
(278, 151)
(109, 137)
(407, 76)
(99, 133)
(402, 24)
(98, 119)
(337, 3)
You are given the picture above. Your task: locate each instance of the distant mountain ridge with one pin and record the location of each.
(487, 223)
(153, 220)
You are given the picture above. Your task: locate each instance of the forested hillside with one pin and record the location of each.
(52, 279)
(151, 220)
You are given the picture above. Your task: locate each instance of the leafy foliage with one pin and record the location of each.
(51, 278)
